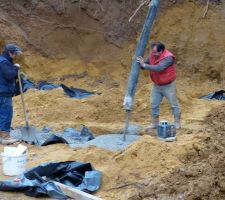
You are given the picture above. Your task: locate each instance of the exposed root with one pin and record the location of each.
(139, 7)
(206, 9)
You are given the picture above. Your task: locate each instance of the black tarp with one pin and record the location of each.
(38, 181)
(44, 85)
(218, 95)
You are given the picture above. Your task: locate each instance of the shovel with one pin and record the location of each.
(29, 133)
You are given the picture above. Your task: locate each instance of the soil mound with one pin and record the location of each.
(202, 174)
(216, 119)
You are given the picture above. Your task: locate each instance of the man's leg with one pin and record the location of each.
(169, 92)
(155, 99)
(6, 113)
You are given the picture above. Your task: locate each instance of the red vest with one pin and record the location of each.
(167, 75)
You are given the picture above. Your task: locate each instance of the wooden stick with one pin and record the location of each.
(76, 194)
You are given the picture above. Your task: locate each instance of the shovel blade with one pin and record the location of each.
(30, 134)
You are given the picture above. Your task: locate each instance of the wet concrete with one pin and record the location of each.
(112, 142)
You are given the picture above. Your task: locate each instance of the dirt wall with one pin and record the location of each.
(89, 45)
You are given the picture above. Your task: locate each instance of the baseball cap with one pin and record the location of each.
(13, 48)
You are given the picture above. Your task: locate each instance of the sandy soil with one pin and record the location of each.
(191, 167)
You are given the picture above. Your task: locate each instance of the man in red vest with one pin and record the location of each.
(162, 68)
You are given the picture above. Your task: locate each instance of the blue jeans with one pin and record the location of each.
(6, 113)
(168, 91)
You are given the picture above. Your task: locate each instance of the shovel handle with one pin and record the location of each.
(22, 99)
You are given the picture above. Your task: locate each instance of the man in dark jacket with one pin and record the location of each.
(8, 76)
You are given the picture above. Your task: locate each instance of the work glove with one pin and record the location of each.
(22, 74)
(17, 65)
(140, 60)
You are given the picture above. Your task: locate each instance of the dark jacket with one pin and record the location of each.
(8, 75)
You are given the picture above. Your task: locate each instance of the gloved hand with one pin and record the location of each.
(17, 65)
(22, 74)
(140, 60)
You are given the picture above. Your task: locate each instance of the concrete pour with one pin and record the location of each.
(112, 142)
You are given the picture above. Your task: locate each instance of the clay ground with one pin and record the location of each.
(97, 58)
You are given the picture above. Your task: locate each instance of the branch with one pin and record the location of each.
(138, 185)
(97, 1)
(206, 9)
(100, 5)
(135, 184)
(138, 8)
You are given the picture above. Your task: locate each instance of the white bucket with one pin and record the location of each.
(14, 165)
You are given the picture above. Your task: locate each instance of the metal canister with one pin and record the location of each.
(166, 131)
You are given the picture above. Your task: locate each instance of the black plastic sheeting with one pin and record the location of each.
(39, 181)
(219, 95)
(68, 136)
(43, 85)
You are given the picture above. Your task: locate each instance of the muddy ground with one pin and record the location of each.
(88, 45)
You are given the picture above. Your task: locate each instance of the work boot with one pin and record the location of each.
(153, 125)
(5, 138)
(177, 122)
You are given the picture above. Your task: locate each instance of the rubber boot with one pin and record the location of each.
(177, 122)
(5, 138)
(153, 125)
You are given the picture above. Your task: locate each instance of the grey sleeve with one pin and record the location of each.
(161, 66)
(147, 61)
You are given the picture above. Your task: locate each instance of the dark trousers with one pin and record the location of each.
(6, 113)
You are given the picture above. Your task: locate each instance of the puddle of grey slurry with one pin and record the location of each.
(133, 129)
(112, 142)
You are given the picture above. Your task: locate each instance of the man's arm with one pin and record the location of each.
(161, 66)
(147, 61)
(9, 71)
